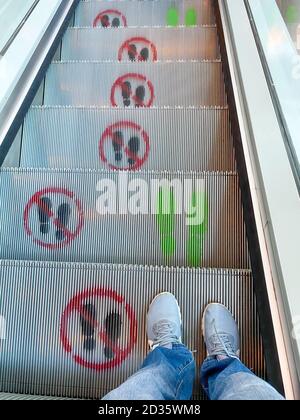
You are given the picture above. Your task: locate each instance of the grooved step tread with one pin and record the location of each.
(44, 308)
(85, 137)
(138, 44)
(144, 13)
(135, 84)
(59, 215)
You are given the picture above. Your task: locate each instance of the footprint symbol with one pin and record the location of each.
(133, 146)
(88, 326)
(126, 93)
(105, 21)
(191, 17)
(115, 22)
(140, 96)
(144, 56)
(63, 216)
(113, 326)
(43, 215)
(117, 145)
(172, 17)
(132, 52)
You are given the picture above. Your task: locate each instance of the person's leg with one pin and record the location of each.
(169, 370)
(223, 376)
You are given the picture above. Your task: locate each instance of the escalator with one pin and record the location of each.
(134, 108)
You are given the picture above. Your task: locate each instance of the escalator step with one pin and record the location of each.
(135, 84)
(171, 139)
(5, 396)
(60, 215)
(52, 311)
(141, 44)
(144, 13)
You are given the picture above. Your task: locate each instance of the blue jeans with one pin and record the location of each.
(168, 374)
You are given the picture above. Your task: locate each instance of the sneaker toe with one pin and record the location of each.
(218, 319)
(163, 307)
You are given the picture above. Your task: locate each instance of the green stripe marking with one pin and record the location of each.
(195, 242)
(191, 17)
(172, 17)
(166, 222)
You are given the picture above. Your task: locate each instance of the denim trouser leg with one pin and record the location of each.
(165, 375)
(229, 379)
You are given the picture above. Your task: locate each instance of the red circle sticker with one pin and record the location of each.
(124, 146)
(132, 90)
(53, 217)
(110, 18)
(137, 49)
(98, 328)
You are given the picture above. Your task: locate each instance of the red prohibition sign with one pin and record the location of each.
(119, 84)
(108, 136)
(113, 12)
(76, 306)
(36, 200)
(126, 47)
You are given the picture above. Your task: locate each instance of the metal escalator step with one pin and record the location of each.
(5, 396)
(177, 139)
(57, 322)
(59, 215)
(135, 84)
(141, 44)
(144, 13)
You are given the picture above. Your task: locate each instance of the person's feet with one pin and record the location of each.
(164, 322)
(220, 332)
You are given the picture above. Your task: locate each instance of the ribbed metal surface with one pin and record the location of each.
(41, 315)
(160, 44)
(71, 137)
(144, 13)
(220, 240)
(5, 396)
(58, 341)
(163, 84)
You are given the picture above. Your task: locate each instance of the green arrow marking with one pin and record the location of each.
(166, 223)
(191, 17)
(195, 243)
(172, 17)
(292, 14)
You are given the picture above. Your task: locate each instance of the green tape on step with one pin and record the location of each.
(191, 17)
(172, 17)
(195, 242)
(166, 222)
(292, 14)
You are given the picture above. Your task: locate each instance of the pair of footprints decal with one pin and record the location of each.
(112, 328)
(173, 17)
(107, 21)
(63, 217)
(127, 94)
(133, 147)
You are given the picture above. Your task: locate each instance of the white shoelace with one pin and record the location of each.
(165, 334)
(222, 344)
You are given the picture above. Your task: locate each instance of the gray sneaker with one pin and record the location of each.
(164, 322)
(220, 332)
